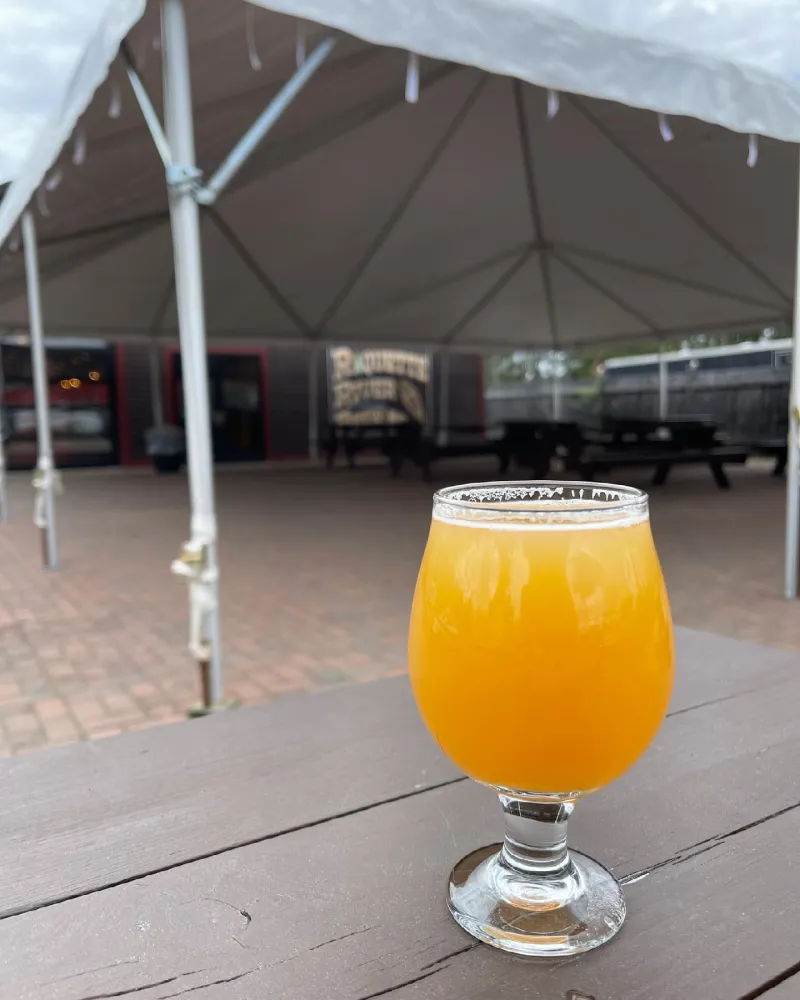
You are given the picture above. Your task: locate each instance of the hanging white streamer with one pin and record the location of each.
(250, 35)
(300, 44)
(553, 104)
(54, 180)
(41, 202)
(412, 78)
(49, 185)
(14, 242)
(79, 148)
(664, 128)
(752, 150)
(115, 101)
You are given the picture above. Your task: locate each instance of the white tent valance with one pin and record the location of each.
(733, 64)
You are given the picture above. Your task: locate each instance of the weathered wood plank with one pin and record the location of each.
(353, 907)
(717, 927)
(96, 814)
(712, 667)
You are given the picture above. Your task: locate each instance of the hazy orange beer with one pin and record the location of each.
(541, 658)
(541, 655)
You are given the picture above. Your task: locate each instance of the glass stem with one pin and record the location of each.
(535, 843)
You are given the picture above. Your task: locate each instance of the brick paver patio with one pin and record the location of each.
(317, 575)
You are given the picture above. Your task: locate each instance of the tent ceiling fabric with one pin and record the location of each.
(468, 219)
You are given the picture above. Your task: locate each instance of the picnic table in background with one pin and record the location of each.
(301, 850)
(412, 443)
(594, 450)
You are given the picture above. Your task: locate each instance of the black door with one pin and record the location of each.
(237, 406)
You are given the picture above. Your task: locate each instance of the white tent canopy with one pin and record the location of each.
(493, 212)
(468, 219)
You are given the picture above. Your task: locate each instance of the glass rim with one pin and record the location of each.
(629, 498)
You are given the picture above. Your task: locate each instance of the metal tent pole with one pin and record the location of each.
(156, 388)
(793, 442)
(45, 479)
(663, 387)
(444, 398)
(198, 560)
(313, 405)
(3, 432)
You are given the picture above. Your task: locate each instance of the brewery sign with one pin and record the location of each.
(377, 387)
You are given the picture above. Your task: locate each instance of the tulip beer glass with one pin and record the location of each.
(541, 659)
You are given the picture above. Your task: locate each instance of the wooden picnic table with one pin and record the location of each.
(300, 850)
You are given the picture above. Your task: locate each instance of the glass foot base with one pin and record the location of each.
(529, 915)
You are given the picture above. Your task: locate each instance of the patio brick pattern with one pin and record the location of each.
(317, 575)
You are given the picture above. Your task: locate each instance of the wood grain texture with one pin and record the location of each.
(95, 814)
(361, 911)
(353, 907)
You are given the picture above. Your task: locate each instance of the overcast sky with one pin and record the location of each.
(39, 44)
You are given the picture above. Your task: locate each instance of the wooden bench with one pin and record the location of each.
(776, 448)
(594, 461)
(392, 441)
(461, 441)
(533, 444)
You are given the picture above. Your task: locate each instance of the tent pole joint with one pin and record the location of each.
(183, 177)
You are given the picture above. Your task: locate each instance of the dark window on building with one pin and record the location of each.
(82, 405)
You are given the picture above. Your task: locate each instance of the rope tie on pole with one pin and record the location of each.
(46, 480)
(193, 566)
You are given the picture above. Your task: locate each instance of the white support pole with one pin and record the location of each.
(793, 443)
(313, 405)
(444, 398)
(44, 480)
(156, 387)
(3, 431)
(663, 387)
(198, 561)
